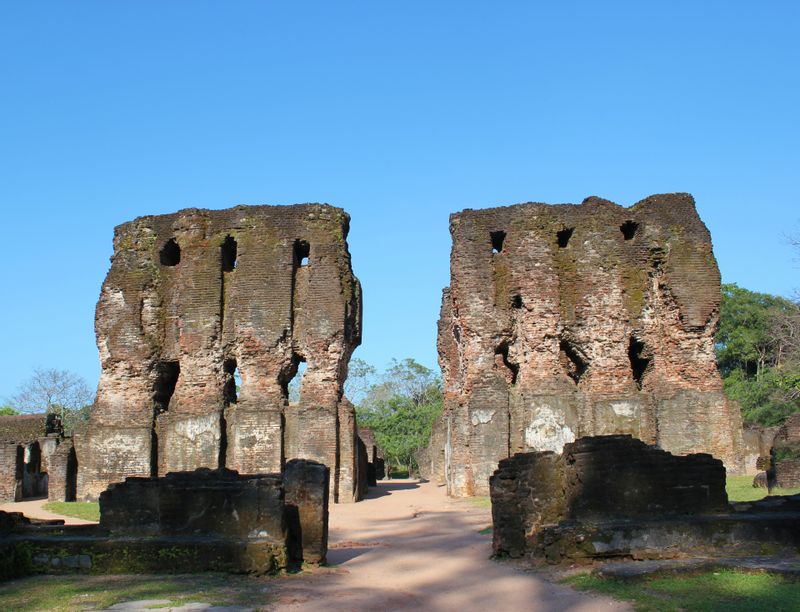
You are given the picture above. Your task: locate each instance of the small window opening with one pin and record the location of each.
(302, 252)
(457, 333)
(501, 355)
(628, 229)
(516, 302)
(575, 365)
(170, 253)
(564, 235)
(497, 241)
(167, 373)
(291, 379)
(229, 254)
(637, 353)
(230, 391)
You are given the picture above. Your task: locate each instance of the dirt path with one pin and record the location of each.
(34, 509)
(410, 547)
(407, 547)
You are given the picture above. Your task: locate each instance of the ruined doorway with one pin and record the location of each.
(34, 480)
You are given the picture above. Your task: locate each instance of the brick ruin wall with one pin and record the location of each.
(199, 302)
(785, 454)
(596, 479)
(563, 321)
(757, 444)
(35, 459)
(615, 497)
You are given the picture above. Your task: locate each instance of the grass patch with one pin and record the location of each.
(481, 501)
(96, 592)
(88, 511)
(741, 489)
(486, 530)
(726, 590)
(396, 472)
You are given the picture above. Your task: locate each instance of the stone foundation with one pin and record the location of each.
(614, 496)
(206, 520)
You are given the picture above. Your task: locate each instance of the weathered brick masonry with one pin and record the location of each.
(614, 496)
(572, 320)
(785, 454)
(192, 299)
(35, 458)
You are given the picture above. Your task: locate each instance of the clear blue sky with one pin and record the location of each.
(399, 112)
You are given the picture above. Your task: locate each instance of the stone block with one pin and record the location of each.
(306, 488)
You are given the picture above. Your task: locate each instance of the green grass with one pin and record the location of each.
(89, 511)
(96, 592)
(481, 501)
(741, 489)
(724, 590)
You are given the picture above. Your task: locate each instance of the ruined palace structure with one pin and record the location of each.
(202, 322)
(572, 320)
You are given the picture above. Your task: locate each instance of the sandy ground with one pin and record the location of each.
(33, 509)
(409, 547)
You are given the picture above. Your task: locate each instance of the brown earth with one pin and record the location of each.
(410, 547)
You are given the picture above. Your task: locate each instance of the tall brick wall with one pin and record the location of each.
(572, 320)
(195, 296)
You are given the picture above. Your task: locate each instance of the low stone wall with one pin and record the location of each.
(206, 520)
(203, 502)
(616, 496)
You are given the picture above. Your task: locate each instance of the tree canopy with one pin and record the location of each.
(57, 391)
(758, 353)
(400, 407)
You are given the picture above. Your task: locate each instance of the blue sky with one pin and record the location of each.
(401, 113)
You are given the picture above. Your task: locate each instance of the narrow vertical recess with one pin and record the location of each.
(291, 378)
(302, 253)
(228, 254)
(497, 238)
(170, 254)
(230, 395)
(640, 361)
(572, 360)
(563, 236)
(629, 229)
(167, 373)
(71, 483)
(513, 368)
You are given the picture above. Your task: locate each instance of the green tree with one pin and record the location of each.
(401, 409)
(758, 354)
(8, 411)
